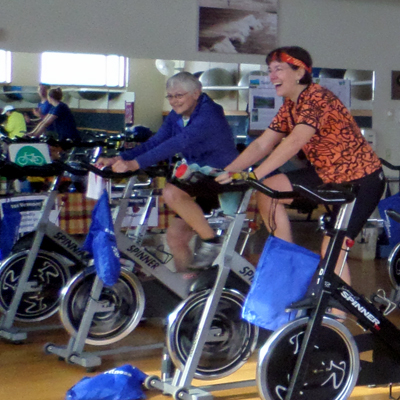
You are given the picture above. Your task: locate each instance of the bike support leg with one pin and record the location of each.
(73, 353)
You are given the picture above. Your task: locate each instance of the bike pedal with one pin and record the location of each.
(387, 305)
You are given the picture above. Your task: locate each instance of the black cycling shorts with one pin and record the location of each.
(370, 191)
(206, 191)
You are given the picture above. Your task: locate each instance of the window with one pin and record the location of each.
(83, 69)
(5, 66)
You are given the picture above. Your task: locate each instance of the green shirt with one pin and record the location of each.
(15, 125)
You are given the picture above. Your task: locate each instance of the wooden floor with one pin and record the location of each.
(26, 372)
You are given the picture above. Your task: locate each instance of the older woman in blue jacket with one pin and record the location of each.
(197, 129)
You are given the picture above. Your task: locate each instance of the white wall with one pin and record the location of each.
(359, 34)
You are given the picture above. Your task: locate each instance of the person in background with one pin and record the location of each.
(15, 124)
(35, 183)
(314, 120)
(44, 106)
(60, 116)
(197, 129)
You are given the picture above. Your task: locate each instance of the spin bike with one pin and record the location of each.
(84, 316)
(315, 356)
(41, 263)
(393, 263)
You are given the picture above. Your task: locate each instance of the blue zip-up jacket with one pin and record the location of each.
(207, 139)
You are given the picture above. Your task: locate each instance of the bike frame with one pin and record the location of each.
(71, 247)
(152, 265)
(329, 286)
(44, 227)
(149, 263)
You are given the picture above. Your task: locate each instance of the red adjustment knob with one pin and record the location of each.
(181, 171)
(253, 225)
(350, 243)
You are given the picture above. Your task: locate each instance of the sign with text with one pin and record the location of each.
(30, 209)
(264, 103)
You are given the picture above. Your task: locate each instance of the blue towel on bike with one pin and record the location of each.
(9, 229)
(282, 277)
(102, 244)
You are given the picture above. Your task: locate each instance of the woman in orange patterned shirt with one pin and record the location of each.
(314, 120)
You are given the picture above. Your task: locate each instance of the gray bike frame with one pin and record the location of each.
(151, 265)
(44, 227)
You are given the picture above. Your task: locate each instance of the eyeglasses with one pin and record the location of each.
(178, 96)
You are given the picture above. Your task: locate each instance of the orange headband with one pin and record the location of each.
(291, 60)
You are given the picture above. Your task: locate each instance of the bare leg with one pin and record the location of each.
(179, 234)
(274, 214)
(182, 230)
(188, 210)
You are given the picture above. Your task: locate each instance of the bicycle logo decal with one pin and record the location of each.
(161, 255)
(29, 155)
(36, 298)
(336, 370)
(332, 372)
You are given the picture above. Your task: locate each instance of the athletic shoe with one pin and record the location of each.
(206, 254)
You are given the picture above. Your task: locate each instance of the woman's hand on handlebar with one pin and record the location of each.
(229, 177)
(224, 178)
(125, 165)
(103, 162)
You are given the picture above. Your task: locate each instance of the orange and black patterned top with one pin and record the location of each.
(338, 150)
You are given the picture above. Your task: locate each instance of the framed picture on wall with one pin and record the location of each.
(238, 26)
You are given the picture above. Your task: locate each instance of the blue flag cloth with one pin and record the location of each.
(121, 383)
(282, 277)
(8, 229)
(102, 244)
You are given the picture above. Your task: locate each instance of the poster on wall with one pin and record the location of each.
(263, 102)
(340, 87)
(238, 26)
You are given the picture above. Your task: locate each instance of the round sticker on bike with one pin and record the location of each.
(29, 155)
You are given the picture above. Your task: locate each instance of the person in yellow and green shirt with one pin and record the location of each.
(15, 124)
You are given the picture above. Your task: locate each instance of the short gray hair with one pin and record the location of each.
(186, 80)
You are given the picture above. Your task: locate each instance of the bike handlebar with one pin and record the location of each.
(325, 194)
(389, 165)
(11, 170)
(65, 144)
(107, 173)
